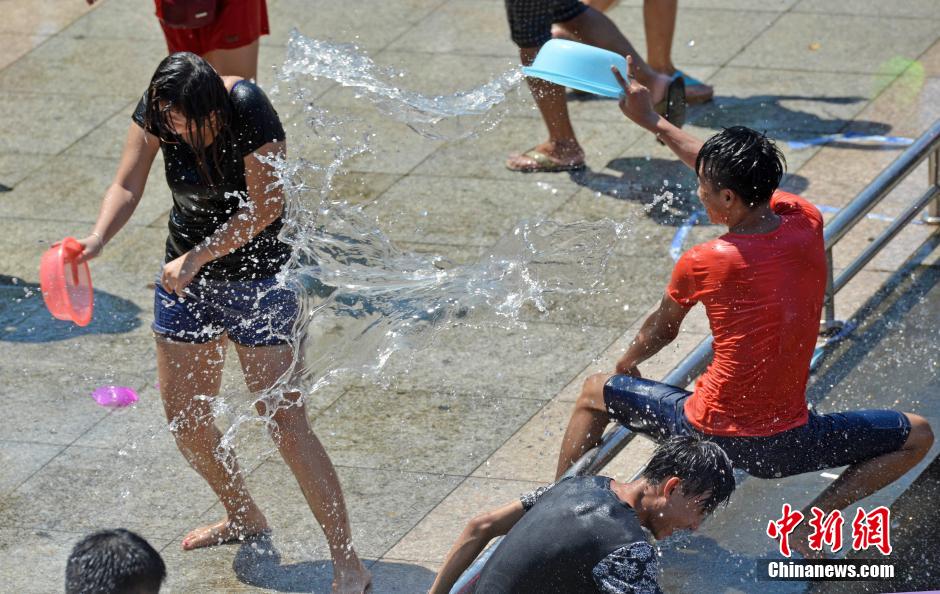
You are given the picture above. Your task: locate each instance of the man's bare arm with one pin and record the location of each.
(479, 531)
(637, 105)
(659, 329)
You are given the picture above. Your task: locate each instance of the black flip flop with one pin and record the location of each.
(673, 106)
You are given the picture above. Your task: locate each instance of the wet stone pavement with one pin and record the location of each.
(475, 418)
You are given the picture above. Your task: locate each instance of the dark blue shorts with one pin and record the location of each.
(252, 313)
(825, 441)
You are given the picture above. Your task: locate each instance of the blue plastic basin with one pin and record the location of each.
(579, 66)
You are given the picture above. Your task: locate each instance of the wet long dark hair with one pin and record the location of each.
(188, 84)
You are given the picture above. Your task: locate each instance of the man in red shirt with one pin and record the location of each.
(762, 285)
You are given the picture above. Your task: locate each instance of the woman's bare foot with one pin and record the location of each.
(225, 532)
(558, 155)
(355, 579)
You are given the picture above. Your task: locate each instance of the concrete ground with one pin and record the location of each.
(451, 434)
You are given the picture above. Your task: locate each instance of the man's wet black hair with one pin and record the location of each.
(744, 161)
(113, 562)
(701, 465)
(187, 83)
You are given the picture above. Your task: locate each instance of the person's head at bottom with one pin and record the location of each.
(114, 562)
(686, 479)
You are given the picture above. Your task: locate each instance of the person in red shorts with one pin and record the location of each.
(230, 39)
(762, 284)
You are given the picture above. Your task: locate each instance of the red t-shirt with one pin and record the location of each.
(763, 296)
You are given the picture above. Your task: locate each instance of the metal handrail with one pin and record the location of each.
(926, 146)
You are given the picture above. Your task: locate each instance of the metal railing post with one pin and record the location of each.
(932, 215)
(829, 324)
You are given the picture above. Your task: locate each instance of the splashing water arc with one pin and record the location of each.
(364, 300)
(346, 65)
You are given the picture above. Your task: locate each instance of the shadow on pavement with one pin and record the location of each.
(259, 564)
(25, 319)
(642, 180)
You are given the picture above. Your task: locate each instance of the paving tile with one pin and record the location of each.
(16, 46)
(432, 538)
(107, 139)
(383, 505)
(476, 28)
(51, 406)
(15, 166)
(907, 107)
(792, 104)
(20, 459)
(360, 187)
(892, 256)
(125, 19)
(436, 209)
(403, 577)
(485, 155)
(40, 18)
(70, 189)
(88, 67)
(146, 492)
(393, 147)
(818, 42)
(122, 353)
(372, 24)
(132, 260)
(419, 431)
(56, 121)
(239, 568)
(930, 60)
(858, 292)
(447, 256)
(705, 35)
(857, 168)
(532, 453)
(772, 5)
(530, 363)
(440, 74)
(912, 8)
(610, 298)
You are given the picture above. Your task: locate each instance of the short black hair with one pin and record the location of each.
(701, 465)
(744, 161)
(113, 562)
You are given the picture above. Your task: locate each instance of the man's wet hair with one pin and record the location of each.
(113, 562)
(744, 161)
(701, 465)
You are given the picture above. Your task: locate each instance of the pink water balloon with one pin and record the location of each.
(115, 396)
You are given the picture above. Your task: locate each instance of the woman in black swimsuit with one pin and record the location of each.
(218, 284)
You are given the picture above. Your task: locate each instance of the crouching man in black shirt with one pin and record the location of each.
(584, 534)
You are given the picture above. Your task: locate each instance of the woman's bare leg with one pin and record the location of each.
(241, 61)
(307, 459)
(187, 371)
